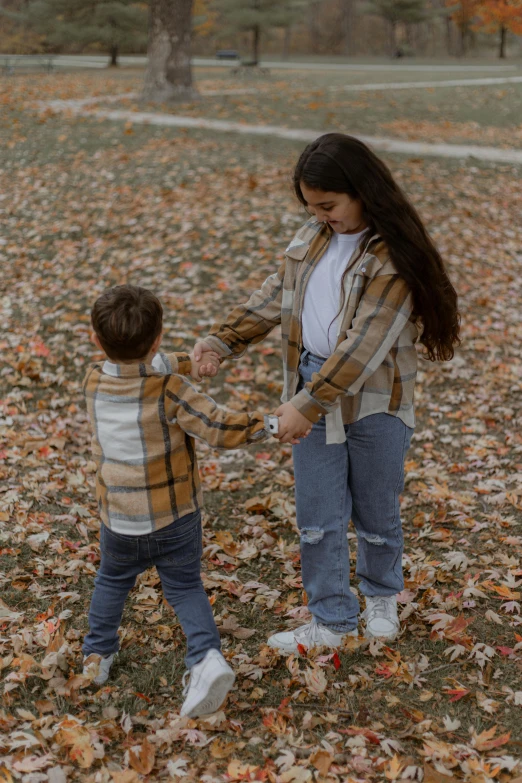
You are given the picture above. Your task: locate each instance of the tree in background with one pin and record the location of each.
(291, 12)
(169, 70)
(257, 17)
(204, 18)
(15, 37)
(396, 12)
(112, 24)
(500, 16)
(463, 14)
(348, 14)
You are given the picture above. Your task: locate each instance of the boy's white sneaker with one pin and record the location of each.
(210, 681)
(99, 665)
(310, 635)
(382, 620)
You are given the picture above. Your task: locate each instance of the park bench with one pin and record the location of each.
(227, 54)
(9, 63)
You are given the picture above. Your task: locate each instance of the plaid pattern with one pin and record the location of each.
(374, 365)
(144, 420)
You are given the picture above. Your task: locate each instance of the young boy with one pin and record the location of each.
(144, 417)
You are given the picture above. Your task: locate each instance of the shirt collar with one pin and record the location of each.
(135, 370)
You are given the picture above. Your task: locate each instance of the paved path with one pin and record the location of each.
(424, 149)
(413, 85)
(101, 61)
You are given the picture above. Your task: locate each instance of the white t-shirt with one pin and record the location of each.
(323, 295)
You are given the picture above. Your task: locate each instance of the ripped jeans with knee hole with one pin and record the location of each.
(360, 480)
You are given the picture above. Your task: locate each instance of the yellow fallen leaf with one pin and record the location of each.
(322, 760)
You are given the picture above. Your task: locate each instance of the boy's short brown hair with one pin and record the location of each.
(127, 319)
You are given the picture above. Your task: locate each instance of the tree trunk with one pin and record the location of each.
(169, 71)
(113, 55)
(313, 27)
(255, 44)
(449, 37)
(462, 40)
(347, 24)
(286, 41)
(393, 38)
(502, 50)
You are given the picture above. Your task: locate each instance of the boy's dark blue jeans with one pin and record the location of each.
(176, 552)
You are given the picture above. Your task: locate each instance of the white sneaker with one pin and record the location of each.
(382, 621)
(210, 681)
(97, 664)
(310, 635)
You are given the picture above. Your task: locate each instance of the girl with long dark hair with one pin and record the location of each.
(361, 284)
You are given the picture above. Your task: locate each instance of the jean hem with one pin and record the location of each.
(384, 594)
(196, 658)
(89, 651)
(339, 629)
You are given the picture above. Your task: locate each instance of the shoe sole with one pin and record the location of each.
(283, 650)
(391, 638)
(290, 650)
(214, 698)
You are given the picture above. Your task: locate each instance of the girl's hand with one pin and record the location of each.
(292, 424)
(208, 366)
(203, 355)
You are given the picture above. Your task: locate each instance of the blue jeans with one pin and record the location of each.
(176, 552)
(360, 479)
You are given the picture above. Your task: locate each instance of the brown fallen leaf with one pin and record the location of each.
(144, 762)
(322, 760)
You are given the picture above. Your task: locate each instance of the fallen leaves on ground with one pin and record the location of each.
(202, 220)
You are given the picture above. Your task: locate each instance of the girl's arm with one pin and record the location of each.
(247, 323)
(383, 312)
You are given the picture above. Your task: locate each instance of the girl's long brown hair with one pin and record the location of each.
(343, 164)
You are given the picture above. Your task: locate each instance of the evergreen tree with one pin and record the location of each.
(113, 24)
(15, 38)
(257, 16)
(396, 12)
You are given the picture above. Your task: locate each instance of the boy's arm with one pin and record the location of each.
(200, 417)
(250, 322)
(178, 362)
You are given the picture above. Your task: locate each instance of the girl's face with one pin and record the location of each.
(344, 214)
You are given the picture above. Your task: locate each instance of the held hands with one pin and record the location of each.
(206, 366)
(292, 424)
(207, 360)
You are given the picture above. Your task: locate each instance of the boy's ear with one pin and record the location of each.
(95, 340)
(157, 342)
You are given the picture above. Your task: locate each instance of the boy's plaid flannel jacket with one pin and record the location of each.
(374, 365)
(144, 420)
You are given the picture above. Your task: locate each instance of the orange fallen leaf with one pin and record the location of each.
(145, 761)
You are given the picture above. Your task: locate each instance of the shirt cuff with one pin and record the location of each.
(308, 406)
(184, 364)
(218, 346)
(258, 431)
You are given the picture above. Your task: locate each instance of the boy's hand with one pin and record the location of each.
(206, 367)
(292, 424)
(202, 353)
